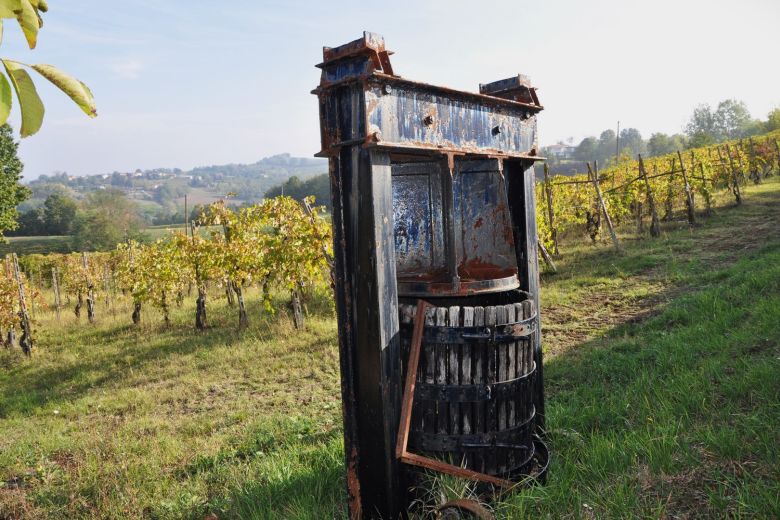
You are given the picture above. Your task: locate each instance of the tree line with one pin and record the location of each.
(707, 125)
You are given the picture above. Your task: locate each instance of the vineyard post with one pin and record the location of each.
(90, 289)
(107, 286)
(737, 153)
(705, 190)
(655, 225)
(753, 162)
(11, 336)
(296, 307)
(26, 341)
(594, 176)
(669, 202)
(738, 149)
(200, 302)
(688, 193)
(243, 318)
(550, 211)
(547, 258)
(229, 293)
(734, 177)
(777, 156)
(56, 286)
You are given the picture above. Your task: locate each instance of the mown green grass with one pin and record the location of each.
(667, 413)
(39, 245)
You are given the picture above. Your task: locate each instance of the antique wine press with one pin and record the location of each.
(437, 285)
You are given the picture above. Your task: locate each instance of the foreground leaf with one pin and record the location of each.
(9, 8)
(29, 102)
(5, 99)
(75, 89)
(29, 21)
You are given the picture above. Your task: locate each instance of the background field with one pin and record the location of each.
(661, 380)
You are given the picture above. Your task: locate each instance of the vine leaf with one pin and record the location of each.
(75, 89)
(29, 102)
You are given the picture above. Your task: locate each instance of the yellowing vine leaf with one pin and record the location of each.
(75, 89)
(29, 102)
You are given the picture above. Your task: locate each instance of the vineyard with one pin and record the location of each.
(656, 408)
(638, 190)
(282, 245)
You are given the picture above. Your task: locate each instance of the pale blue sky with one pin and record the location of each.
(187, 83)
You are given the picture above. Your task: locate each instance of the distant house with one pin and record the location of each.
(560, 151)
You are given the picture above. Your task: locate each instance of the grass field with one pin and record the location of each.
(42, 244)
(64, 243)
(661, 377)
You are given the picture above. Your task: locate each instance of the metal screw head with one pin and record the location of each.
(388, 89)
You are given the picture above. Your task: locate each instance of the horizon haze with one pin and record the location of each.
(182, 85)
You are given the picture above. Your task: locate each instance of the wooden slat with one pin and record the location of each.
(442, 409)
(411, 378)
(491, 422)
(478, 354)
(429, 409)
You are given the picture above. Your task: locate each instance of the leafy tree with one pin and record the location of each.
(317, 187)
(772, 121)
(606, 147)
(11, 192)
(732, 118)
(59, 213)
(28, 14)
(107, 218)
(662, 144)
(587, 150)
(631, 142)
(31, 224)
(702, 123)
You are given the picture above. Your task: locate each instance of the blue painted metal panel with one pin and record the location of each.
(420, 117)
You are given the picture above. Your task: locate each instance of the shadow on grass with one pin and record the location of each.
(31, 384)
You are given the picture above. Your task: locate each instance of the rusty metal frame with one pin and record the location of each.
(402, 441)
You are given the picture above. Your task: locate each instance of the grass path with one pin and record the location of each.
(661, 378)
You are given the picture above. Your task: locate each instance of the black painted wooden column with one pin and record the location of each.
(368, 328)
(521, 179)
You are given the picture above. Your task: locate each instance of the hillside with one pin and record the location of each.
(162, 190)
(660, 377)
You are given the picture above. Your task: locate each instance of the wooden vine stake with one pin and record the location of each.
(547, 258)
(705, 190)
(90, 289)
(10, 340)
(550, 210)
(594, 177)
(655, 224)
(734, 178)
(777, 156)
(55, 285)
(688, 193)
(26, 341)
(753, 162)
